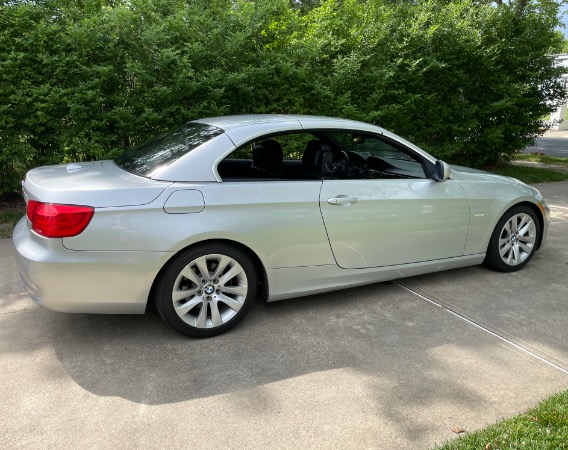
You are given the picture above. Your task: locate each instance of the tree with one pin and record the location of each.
(84, 80)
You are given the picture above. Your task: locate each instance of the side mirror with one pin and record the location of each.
(442, 171)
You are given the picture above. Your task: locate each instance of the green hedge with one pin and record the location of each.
(81, 80)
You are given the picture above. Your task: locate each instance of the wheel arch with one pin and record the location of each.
(533, 208)
(493, 258)
(262, 288)
(539, 216)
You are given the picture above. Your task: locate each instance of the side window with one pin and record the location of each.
(320, 155)
(243, 152)
(279, 157)
(377, 158)
(294, 145)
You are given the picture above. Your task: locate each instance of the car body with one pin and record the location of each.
(292, 205)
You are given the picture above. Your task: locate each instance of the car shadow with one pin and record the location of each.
(141, 359)
(404, 353)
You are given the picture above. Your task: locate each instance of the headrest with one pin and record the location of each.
(310, 156)
(313, 153)
(267, 154)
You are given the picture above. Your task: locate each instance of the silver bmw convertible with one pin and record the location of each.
(206, 218)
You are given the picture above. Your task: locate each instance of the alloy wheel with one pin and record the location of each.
(517, 239)
(210, 291)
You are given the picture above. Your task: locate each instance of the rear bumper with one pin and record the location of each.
(102, 282)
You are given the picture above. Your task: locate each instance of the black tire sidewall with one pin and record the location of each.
(164, 287)
(493, 258)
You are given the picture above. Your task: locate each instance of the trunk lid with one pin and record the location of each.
(99, 184)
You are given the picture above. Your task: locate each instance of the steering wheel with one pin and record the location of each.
(357, 165)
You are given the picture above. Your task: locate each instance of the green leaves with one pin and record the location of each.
(83, 80)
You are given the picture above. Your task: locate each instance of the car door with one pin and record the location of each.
(393, 216)
(268, 203)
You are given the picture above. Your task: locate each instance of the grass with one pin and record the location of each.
(550, 169)
(542, 159)
(543, 427)
(529, 175)
(11, 210)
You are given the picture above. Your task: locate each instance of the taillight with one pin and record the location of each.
(30, 209)
(58, 221)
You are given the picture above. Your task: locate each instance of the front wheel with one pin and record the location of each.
(513, 241)
(206, 290)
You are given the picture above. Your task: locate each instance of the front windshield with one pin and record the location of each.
(146, 159)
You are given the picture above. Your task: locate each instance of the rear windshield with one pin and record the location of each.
(146, 159)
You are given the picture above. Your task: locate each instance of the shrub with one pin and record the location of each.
(84, 80)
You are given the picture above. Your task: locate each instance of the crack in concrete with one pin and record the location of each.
(500, 334)
(18, 311)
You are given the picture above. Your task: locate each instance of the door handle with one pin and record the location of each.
(342, 200)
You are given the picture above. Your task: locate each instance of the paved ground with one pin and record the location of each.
(373, 367)
(553, 143)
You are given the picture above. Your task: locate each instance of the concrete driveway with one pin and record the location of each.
(392, 365)
(553, 143)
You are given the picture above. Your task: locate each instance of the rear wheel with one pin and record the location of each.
(514, 239)
(206, 290)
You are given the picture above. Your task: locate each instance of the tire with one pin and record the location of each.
(513, 242)
(206, 290)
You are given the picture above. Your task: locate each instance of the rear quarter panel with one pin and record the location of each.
(279, 221)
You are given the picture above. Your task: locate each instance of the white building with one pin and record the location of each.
(559, 119)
